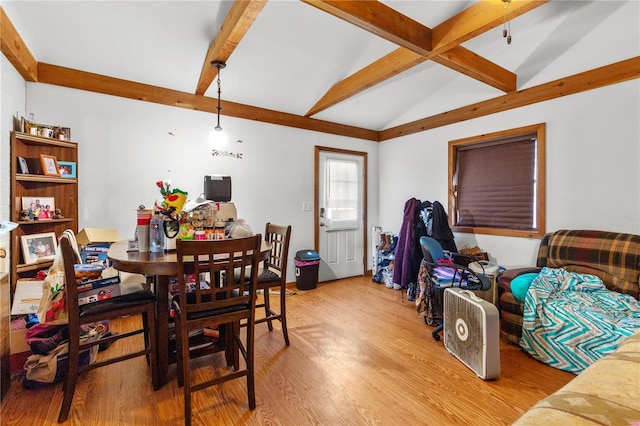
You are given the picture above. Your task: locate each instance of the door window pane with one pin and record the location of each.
(342, 190)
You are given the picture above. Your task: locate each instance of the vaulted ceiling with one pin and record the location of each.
(374, 70)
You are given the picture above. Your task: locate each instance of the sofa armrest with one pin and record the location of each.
(511, 309)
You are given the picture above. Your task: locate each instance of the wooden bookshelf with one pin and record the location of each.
(63, 190)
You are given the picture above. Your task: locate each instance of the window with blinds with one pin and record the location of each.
(496, 185)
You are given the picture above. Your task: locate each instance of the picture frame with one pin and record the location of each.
(39, 208)
(23, 168)
(39, 247)
(49, 165)
(67, 169)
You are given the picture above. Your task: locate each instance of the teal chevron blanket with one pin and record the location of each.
(571, 320)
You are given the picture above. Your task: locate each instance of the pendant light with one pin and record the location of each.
(506, 29)
(219, 65)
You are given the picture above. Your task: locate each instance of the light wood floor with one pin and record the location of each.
(358, 355)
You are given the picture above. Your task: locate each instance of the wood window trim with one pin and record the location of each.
(540, 130)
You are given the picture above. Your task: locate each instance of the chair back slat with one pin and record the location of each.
(278, 236)
(70, 282)
(211, 286)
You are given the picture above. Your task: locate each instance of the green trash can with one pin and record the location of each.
(307, 263)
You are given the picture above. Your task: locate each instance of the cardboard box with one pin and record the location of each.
(94, 244)
(18, 343)
(18, 348)
(26, 298)
(97, 236)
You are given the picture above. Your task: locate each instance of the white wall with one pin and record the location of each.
(12, 105)
(125, 147)
(593, 152)
(593, 178)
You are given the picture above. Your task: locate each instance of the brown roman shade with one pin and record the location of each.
(496, 183)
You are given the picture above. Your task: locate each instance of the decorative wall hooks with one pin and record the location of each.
(217, 153)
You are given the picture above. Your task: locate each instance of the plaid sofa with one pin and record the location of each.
(612, 256)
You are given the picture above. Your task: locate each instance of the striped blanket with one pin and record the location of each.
(571, 320)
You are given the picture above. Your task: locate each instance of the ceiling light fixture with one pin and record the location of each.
(506, 29)
(219, 65)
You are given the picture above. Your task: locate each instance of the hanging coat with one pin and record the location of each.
(420, 231)
(440, 228)
(402, 262)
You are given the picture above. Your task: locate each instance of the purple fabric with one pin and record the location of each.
(402, 259)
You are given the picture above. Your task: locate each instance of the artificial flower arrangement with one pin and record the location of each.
(173, 199)
(171, 206)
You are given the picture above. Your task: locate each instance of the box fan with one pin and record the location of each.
(471, 332)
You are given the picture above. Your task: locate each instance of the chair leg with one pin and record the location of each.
(283, 312)
(179, 361)
(69, 386)
(149, 319)
(251, 391)
(226, 333)
(145, 327)
(234, 332)
(267, 308)
(186, 378)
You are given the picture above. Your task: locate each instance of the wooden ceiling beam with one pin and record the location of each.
(475, 66)
(478, 19)
(381, 20)
(236, 24)
(82, 80)
(15, 49)
(446, 40)
(604, 76)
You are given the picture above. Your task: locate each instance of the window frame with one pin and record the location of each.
(540, 170)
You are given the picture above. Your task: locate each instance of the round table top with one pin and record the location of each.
(148, 263)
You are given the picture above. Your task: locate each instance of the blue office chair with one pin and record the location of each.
(442, 273)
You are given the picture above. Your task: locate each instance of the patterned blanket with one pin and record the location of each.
(571, 320)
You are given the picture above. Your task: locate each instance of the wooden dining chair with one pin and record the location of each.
(135, 299)
(273, 275)
(216, 299)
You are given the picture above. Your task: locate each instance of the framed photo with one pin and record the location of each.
(62, 133)
(22, 165)
(67, 169)
(39, 247)
(39, 208)
(49, 165)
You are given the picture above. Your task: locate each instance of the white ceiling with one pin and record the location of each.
(293, 53)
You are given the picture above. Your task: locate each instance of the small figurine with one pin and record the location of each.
(24, 215)
(57, 214)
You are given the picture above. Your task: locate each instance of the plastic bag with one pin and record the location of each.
(52, 308)
(240, 229)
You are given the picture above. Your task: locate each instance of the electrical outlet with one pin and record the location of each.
(306, 206)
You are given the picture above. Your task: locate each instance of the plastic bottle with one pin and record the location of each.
(157, 234)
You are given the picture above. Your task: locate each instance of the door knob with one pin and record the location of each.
(321, 223)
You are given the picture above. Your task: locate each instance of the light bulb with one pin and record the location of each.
(218, 138)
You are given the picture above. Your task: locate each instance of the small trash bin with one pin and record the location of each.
(307, 263)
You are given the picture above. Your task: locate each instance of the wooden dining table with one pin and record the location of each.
(162, 266)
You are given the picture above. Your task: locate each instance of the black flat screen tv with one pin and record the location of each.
(217, 188)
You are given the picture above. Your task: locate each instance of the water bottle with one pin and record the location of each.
(157, 234)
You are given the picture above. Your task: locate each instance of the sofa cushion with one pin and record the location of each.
(520, 285)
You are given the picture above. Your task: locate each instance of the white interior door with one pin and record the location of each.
(340, 215)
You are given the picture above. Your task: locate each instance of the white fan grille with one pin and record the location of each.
(471, 332)
(463, 330)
